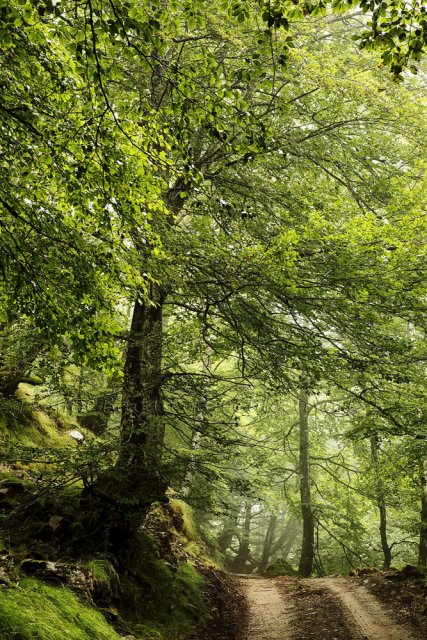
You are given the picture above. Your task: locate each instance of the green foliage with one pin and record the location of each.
(103, 572)
(395, 28)
(33, 609)
(270, 187)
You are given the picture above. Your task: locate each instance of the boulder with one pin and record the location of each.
(280, 567)
(73, 575)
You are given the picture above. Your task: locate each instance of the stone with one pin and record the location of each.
(55, 521)
(76, 435)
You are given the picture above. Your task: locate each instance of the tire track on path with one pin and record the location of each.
(368, 616)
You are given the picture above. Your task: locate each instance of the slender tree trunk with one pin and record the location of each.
(380, 502)
(228, 532)
(268, 544)
(201, 411)
(422, 547)
(242, 559)
(196, 443)
(283, 544)
(307, 551)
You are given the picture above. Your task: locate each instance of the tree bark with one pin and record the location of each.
(380, 497)
(307, 550)
(422, 547)
(141, 430)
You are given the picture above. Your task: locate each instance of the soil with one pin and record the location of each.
(227, 607)
(336, 608)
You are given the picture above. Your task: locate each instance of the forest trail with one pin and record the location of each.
(269, 613)
(369, 616)
(317, 609)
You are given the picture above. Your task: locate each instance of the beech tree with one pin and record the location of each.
(190, 162)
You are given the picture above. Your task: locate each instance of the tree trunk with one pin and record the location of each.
(201, 411)
(268, 544)
(283, 544)
(307, 551)
(380, 502)
(422, 547)
(228, 532)
(242, 559)
(117, 503)
(142, 428)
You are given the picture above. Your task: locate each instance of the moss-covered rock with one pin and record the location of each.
(280, 567)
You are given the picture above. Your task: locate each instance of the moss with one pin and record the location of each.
(178, 604)
(280, 567)
(29, 428)
(183, 519)
(37, 611)
(188, 533)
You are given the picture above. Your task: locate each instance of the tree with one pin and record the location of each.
(307, 552)
(201, 170)
(380, 501)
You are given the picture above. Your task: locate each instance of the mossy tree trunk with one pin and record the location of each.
(116, 505)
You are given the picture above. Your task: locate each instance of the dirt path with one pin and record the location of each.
(365, 612)
(325, 609)
(269, 613)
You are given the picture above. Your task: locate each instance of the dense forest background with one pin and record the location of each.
(213, 253)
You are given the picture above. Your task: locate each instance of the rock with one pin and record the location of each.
(55, 521)
(71, 574)
(12, 493)
(111, 614)
(76, 435)
(94, 421)
(409, 572)
(32, 566)
(412, 572)
(4, 578)
(280, 568)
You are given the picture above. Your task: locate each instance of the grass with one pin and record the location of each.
(103, 571)
(34, 610)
